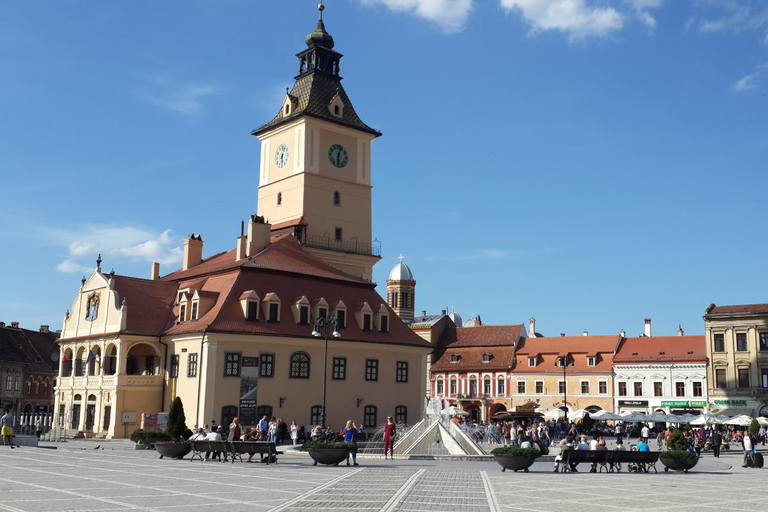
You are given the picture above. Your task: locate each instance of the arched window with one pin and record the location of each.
(132, 366)
(263, 410)
(369, 416)
(401, 414)
(336, 199)
(316, 415)
(228, 413)
(300, 365)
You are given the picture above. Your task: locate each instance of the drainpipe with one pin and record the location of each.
(165, 359)
(200, 379)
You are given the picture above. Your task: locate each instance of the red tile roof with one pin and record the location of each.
(148, 304)
(658, 349)
(741, 309)
(480, 336)
(471, 359)
(577, 348)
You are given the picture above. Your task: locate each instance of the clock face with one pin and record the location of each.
(281, 156)
(338, 155)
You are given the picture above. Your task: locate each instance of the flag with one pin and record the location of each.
(64, 358)
(90, 357)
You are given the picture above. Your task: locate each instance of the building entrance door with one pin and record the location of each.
(90, 416)
(107, 416)
(76, 416)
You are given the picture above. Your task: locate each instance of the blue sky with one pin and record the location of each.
(588, 163)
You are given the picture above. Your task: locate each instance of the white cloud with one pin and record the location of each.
(115, 242)
(450, 15)
(737, 18)
(745, 83)
(573, 17)
(185, 99)
(70, 267)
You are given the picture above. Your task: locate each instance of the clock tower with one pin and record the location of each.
(315, 169)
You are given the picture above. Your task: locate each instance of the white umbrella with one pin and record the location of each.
(604, 415)
(682, 418)
(632, 416)
(762, 421)
(554, 414)
(705, 419)
(658, 417)
(742, 420)
(578, 414)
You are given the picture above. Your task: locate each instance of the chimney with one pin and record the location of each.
(445, 311)
(15, 325)
(531, 327)
(259, 233)
(680, 330)
(155, 271)
(2, 324)
(423, 312)
(193, 251)
(648, 327)
(44, 329)
(623, 333)
(562, 335)
(242, 246)
(585, 333)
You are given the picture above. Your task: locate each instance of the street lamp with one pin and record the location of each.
(563, 362)
(330, 324)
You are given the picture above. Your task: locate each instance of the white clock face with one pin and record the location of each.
(338, 155)
(281, 156)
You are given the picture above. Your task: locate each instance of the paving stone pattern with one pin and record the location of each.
(78, 478)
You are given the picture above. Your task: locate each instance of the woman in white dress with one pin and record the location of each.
(294, 432)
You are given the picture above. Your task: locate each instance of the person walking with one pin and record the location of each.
(349, 437)
(717, 440)
(6, 425)
(294, 432)
(390, 430)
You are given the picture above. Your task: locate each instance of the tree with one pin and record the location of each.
(587, 423)
(754, 428)
(677, 441)
(176, 420)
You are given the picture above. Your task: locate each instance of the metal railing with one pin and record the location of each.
(350, 247)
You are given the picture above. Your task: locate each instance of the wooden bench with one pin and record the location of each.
(201, 447)
(609, 460)
(268, 451)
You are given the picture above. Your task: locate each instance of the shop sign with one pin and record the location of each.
(731, 402)
(698, 404)
(677, 403)
(634, 402)
(525, 408)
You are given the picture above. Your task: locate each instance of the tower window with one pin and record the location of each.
(336, 199)
(287, 110)
(336, 110)
(279, 198)
(338, 235)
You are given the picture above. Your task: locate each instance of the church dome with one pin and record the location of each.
(456, 318)
(401, 272)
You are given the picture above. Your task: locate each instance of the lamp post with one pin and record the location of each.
(563, 362)
(325, 325)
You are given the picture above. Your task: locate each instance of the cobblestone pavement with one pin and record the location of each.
(78, 477)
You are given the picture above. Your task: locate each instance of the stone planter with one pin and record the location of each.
(514, 462)
(330, 456)
(678, 464)
(173, 450)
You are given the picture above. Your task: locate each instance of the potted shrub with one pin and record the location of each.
(328, 453)
(678, 458)
(174, 447)
(145, 438)
(510, 457)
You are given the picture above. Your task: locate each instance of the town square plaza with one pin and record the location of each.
(90, 475)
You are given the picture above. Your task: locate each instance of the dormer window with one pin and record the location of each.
(591, 361)
(384, 324)
(322, 313)
(300, 309)
(455, 358)
(487, 358)
(182, 313)
(195, 306)
(271, 306)
(532, 361)
(287, 109)
(249, 301)
(366, 322)
(382, 319)
(336, 107)
(340, 312)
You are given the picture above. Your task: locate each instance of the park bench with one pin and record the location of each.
(609, 460)
(201, 447)
(268, 451)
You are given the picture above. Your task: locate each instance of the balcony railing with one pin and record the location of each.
(350, 247)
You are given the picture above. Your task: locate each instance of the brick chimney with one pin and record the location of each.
(259, 233)
(193, 251)
(155, 271)
(44, 329)
(15, 325)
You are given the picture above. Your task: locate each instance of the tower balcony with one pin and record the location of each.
(349, 246)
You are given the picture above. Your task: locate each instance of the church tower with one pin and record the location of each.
(401, 291)
(315, 169)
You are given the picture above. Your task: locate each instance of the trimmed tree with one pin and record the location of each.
(677, 441)
(754, 428)
(176, 420)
